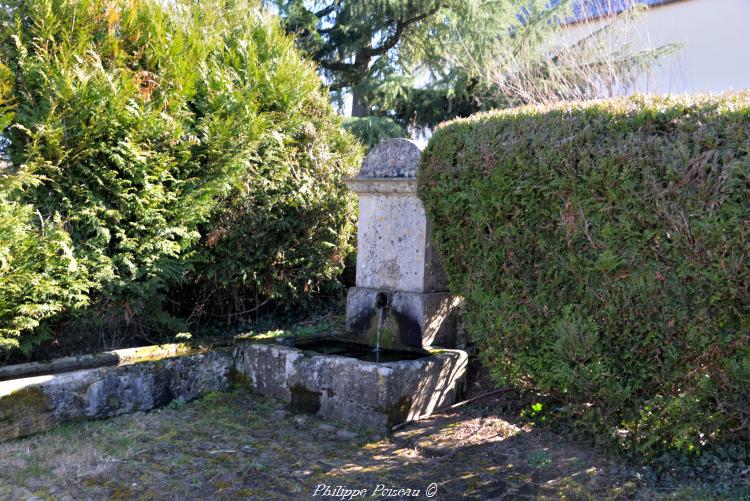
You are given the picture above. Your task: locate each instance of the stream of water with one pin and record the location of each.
(381, 322)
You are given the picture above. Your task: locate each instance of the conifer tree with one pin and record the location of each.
(420, 62)
(391, 55)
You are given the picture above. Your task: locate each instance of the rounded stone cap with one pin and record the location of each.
(393, 158)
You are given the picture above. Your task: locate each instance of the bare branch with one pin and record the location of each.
(337, 65)
(604, 61)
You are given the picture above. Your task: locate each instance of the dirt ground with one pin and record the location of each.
(242, 446)
(237, 445)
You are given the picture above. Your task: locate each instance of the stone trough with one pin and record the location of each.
(357, 393)
(400, 307)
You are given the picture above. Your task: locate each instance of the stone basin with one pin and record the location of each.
(347, 385)
(344, 348)
(337, 385)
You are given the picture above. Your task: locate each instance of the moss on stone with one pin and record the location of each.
(259, 336)
(398, 412)
(162, 351)
(305, 399)
(238, 380)
(389, 334)
(435, 351)
(24, 411)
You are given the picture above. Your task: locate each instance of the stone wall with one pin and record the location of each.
(34, 404)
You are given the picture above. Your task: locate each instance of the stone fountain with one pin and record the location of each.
(401, 290)
(396, 363)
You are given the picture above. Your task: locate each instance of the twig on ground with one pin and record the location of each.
(315, 320)
(455, 406)
(479, 397)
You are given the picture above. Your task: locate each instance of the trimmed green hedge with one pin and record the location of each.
(604, 252)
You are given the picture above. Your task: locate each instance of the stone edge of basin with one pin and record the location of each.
(125, 356)
(101, 359)
(358, 393)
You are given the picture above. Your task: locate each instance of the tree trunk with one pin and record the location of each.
(360, 106)
(359, 103)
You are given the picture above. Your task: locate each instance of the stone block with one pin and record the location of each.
(34, 404)
(394, 158)
(395, 255)
(393, 249)
(354, 392)
(393, 246)
(124, 356)
(410, 319)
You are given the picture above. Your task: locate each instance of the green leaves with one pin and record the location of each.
(282, 239)
(379, 51)
(39, 275)
(603, 252)
(147, 124)
(374, 130)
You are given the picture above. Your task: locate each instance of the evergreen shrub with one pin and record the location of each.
(39, 275)
(159, 131)
(604, 252)
(281, 241)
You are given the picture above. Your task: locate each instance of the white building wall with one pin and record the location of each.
(715, 35)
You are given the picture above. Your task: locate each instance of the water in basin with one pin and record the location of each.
(358, 351)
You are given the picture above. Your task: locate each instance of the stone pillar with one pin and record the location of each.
(396, 261)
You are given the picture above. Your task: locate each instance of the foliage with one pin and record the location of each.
(144, 119)
(39, 276)
(373, 130)
(393, 55)
(603, 251)
(282, 239)
(416, 64)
